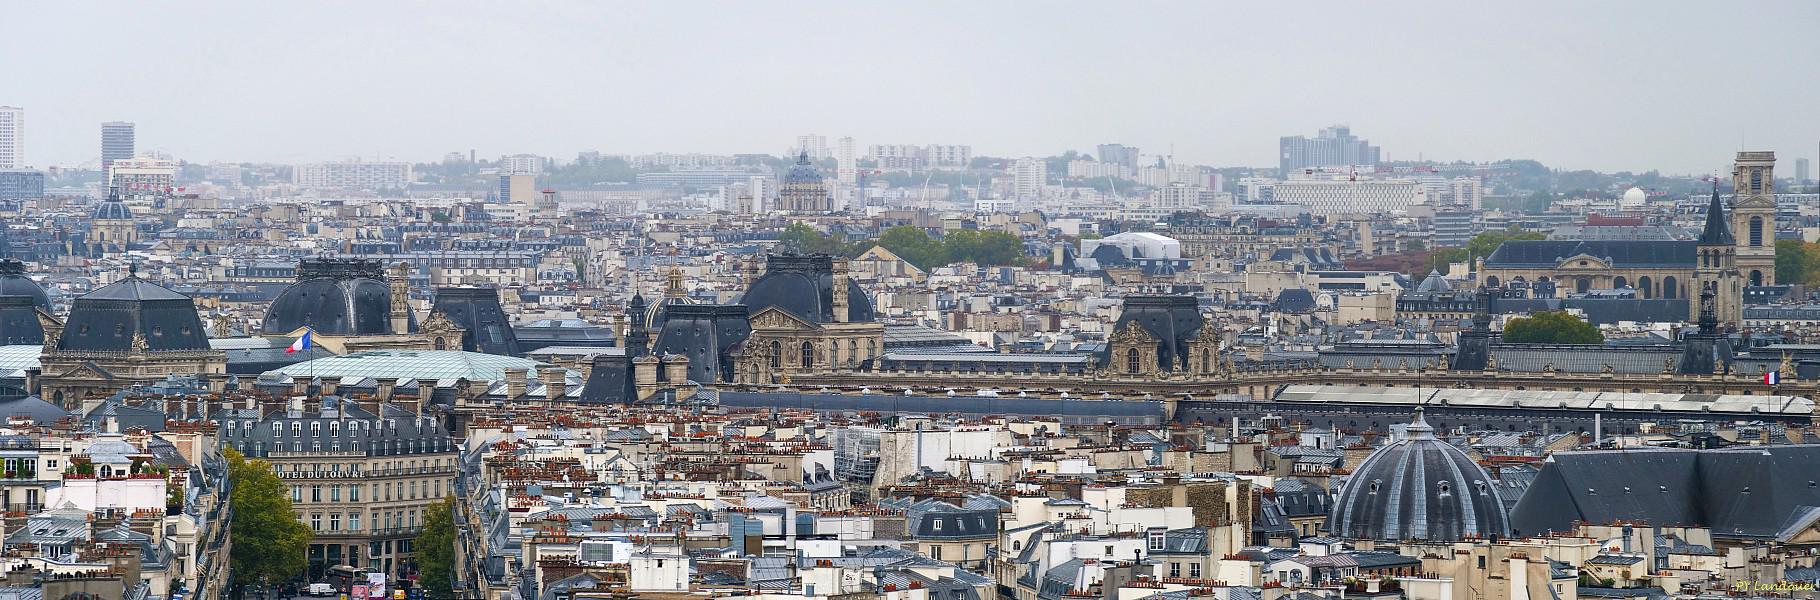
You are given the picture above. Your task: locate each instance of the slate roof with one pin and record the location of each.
(1738, 493)
(485, 327)
(1585, 358)
(804, 286)
(108, 319)
(1546, 254)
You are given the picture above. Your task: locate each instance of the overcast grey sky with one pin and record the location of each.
(1671, 85)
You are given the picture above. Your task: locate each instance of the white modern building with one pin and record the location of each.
(1136, 244)
(1027, 178)
(846, 169)
(1341, 196)
(950, 155)
(143, 175)
(12, 137)
(353, 175)
(521, 164)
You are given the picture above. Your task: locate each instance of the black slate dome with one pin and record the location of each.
(108, 319)
(112, 208)
(335, 297)
(1419, 488)
(804, 286)
(20, 300)
(14, 282)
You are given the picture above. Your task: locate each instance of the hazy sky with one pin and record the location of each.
(1676, 86)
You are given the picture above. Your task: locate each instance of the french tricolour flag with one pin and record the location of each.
(1772, 378)
(302, 343)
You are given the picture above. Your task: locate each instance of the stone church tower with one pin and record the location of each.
(1716, 267)
(1754, 216)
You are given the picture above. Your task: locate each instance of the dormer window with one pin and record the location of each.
(1156, 540)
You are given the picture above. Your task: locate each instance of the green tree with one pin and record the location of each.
(1552, 327)
(1797, 262)
(270, 545)
(913, 244)
(436, 550)
(803, 238)
(988, 248)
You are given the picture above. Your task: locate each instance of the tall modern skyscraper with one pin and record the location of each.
(116, 142)
(846, 155)
(12, 137)
(1334, 147)
(1801, 172)
(1027, 178)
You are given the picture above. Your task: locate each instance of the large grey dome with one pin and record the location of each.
(804, 286)
(335, 297)
(1419, 488)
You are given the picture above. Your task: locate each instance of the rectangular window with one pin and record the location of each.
(1194, 569)
(353, 521)
(316, 493)
(296, 493)
(354, 493)
(1175, 569)
(316, 521)
(334, 493)
(335, 522)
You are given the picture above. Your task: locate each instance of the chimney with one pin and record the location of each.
(23, 575)
(216, 384)
(676, 369)
(329, 385)
(399, 279)
(644, 375)
(840, 289)
(426, 392)
(552, 379)
(34, 380)
(385, 388)
(515, 382)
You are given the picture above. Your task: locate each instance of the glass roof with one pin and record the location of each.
(445, 366)
(14, 360)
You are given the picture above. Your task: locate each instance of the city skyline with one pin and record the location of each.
(1578, 89)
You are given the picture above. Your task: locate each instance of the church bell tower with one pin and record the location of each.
(1754, 216)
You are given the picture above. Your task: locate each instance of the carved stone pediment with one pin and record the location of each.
(775, 318)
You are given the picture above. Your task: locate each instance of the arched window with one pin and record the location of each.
(1620, 283)
(852, 352)
(1582, 284)
(1756, 231)
(1206, 361)
(442, 344)
(777, 355)
(808, 356)
(1643, 288)
(1756, 277)
(1491, 281)
(1669, 290)
(1132, 361)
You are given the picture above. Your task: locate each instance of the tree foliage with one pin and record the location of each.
(1480, 246)
(800, 237)
(989, 248)
(270, 544)
(436, 550)
(1797, 262)
(1552, 327)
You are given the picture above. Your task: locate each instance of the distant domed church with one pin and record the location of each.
(1419, 488)
(803, 190)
